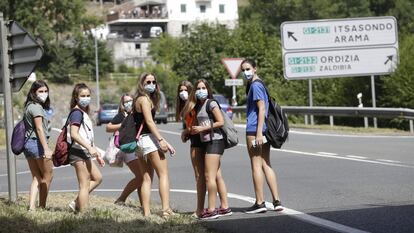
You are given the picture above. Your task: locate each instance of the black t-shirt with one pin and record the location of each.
(118, 119)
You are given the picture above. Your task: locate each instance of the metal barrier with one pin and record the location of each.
(405, 113)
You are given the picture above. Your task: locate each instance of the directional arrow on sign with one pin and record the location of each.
(389, 58)
(290, 35)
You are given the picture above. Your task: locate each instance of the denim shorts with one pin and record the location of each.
(33, 149)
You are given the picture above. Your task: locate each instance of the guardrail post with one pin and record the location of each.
(411, 126)
(306, 120)
(366, 122)
(331, 120)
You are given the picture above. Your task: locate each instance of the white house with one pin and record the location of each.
(132, 25)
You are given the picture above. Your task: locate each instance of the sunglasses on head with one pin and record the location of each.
(153, 82)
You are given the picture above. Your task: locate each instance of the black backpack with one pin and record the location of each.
(128, 134)
(277, 127)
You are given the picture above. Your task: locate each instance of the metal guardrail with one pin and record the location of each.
(405, 113)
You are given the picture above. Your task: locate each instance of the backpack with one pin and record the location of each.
(128, 134)
(19, 138)
(61, 152)
(229, 131)
(277, 127)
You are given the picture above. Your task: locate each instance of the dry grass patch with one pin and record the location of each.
(102, 216)
(2, 138)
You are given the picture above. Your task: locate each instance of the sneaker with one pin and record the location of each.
(209, 215)
(277, 205)
(256, 208)
(224, 211)
(72, 206)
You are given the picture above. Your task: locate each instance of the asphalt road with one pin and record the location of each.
(327, 182)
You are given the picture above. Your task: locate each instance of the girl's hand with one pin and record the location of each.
(170, 149)
(259, 140)
(94, 153)
(163, 145)
(100, 161)
(197, 129)
(48, 154)
(184, 136)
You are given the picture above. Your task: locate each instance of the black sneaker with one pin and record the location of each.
(277, 205)
(256, 208)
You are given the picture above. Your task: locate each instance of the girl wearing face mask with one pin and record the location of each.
(152, 146)
(130, 159)
(207, 148)
(257, 107)
(83, 147)
(183, 90)
(36, 149)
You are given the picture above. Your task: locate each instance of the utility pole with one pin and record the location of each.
(97, 72)
(8, 110)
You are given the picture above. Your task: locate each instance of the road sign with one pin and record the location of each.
(233, 82)
(337, 63)
(339, 33)
(24, 52)
(232, 66)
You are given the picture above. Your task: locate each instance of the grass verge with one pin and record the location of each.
(352, 130)
(2, 138)
(102, 216)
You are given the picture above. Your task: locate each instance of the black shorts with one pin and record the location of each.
(76, 155)
(214, 147)
(195, 141)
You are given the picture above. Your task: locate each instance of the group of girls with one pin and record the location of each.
(203, 132)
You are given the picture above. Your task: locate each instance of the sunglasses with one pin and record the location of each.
(153, 82)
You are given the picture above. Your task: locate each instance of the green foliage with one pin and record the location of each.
(63, 65)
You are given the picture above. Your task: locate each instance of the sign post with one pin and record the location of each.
(232, 66)
(340, 48)
(19, 56)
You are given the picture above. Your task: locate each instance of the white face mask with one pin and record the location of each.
(150, 88)
(128, 106)
(248, 74)
(84, 101)
(184, 95)
(42, 96)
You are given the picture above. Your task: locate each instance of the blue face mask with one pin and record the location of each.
(84, 101)
(150, 88)
(201, 94)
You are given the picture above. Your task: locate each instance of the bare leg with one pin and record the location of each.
(128, 189)
(256, 161)
(82, 169)
(145, 172)
(160, 165)
(197, 159)
(212, 164)
(46, 169)
(222, 190)
(269, 172)
(36, 174)
(134, 167)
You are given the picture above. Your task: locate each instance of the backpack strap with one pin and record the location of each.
(267, 92)
(210, 115)
(67, 121)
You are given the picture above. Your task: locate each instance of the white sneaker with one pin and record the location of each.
(72, 206)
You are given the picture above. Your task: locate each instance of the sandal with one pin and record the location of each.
(168, 213)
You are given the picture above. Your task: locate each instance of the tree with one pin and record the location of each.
(63, 65)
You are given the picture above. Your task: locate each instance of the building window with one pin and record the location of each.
(184, 28)
(202, 8)
(183, 8)
(137, 46)
(221, 8)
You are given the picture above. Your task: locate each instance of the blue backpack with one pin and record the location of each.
(18, 139)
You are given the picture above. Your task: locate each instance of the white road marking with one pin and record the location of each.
(338, 135)
(388, 161)
(326, 153)
(356, 157)
(286, 211)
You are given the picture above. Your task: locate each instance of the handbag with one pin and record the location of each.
(113, 156)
